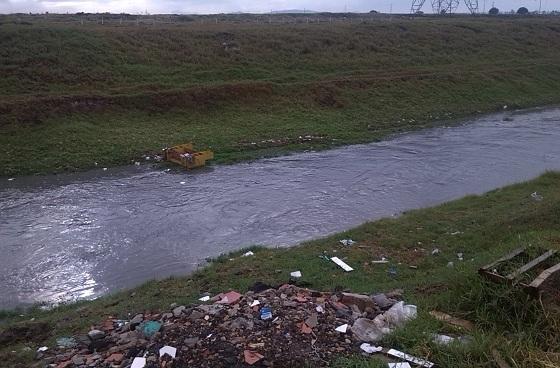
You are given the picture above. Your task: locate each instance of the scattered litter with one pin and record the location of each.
(342, 329)
(442, 339)
(413, 267)
(266, 313)
(312, 321)
(450, 264)
(66, 342)
(368, 330)
(104, 169)
(460, 256)
(138, 363)
(399, 365)
(296, 274)
(456, 233)
(137, 163)
(381, 261)
(435, 251)
(197, 331)
(150, 328)
(410, 358)
(537, 197)
(370, 349)
(248, 254)
(11, 179)
(204, 298)
(169, 350)
(347, 242)
(42, 349)
(446, 340)
(392, 271)
(229, 297)
(341, 263)
(251, 357)
(457, 322)
(305, 329)
(183, 183)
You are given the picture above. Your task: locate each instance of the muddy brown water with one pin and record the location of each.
(82, 235)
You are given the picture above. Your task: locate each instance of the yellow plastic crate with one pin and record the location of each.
(186, 156)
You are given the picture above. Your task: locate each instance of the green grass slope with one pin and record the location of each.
(73, 95)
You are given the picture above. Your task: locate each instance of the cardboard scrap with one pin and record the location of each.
(229, 297)
(251, 357)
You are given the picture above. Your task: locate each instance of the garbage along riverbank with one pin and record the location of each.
(287, 326)
(81, 236)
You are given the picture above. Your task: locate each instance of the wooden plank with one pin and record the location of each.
(535, 262)
(545, 275)
(494, 277)
(511, 255)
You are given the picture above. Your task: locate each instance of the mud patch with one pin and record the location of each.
(25, 332)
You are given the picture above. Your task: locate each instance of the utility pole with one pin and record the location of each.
(540, 7)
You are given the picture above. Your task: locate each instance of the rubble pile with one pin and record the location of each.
(288, 326)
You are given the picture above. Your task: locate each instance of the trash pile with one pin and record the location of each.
(266, 327)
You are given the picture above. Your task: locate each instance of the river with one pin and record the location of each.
(72, 236)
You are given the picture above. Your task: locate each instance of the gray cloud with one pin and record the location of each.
(225, 6)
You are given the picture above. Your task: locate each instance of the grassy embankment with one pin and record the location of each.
(527, 334)
(73, 95)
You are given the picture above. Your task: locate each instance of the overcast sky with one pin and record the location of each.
(227, 6)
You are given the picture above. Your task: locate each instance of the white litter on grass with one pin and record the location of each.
(537, 197)
(370, 349)
(410, 358)
(460, 256)
(42, 349)
(104, 169)
(442, 339)
(450, 264)
(169, 350)
(183, 183)
(341, 263)
(342, 329)
(248, 254)
(456, 233)
(399, 365)
(138, 363)
(381, 261)
(204, 298)
(11, 179)
(296, 274)
(347, 242)
(255, 303)
(137, 163)
(435, 251)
